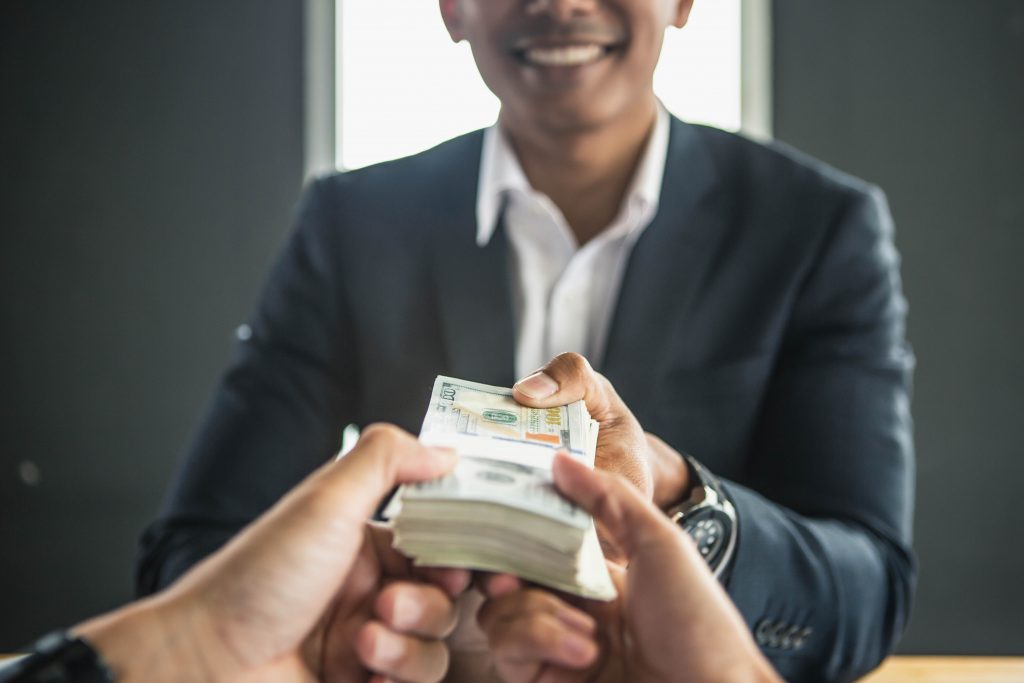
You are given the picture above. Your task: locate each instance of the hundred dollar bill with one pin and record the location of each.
(500, 482)
(499, 510)
(461, 412)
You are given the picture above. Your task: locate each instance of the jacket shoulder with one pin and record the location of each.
(779, 166)
(425, 173)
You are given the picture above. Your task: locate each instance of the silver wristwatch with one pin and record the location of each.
(709, 517)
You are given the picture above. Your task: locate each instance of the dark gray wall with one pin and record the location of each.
(150, 154)
(926, 98)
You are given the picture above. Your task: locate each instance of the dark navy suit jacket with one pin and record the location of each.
(760, 328)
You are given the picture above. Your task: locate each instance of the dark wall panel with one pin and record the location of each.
(150, 154)
(926, 98)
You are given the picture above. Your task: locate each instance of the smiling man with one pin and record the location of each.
(734, 312)
(575, 83)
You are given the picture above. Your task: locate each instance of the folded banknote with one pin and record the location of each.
(499, 510)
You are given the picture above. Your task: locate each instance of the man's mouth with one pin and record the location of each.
(579, 54)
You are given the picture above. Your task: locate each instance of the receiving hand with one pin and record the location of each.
(309, 591)
(672, 620)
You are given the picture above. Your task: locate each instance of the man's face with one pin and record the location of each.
(565, 64)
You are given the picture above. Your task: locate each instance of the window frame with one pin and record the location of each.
(322, 89)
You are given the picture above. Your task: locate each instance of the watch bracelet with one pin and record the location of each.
(702, 477)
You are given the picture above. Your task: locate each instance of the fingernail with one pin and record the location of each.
(456, 582)
(537, 385)
(501, 584)
(405, 611)
(387, 649)
(581, 650)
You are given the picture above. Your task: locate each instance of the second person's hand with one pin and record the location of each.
(672, 620)
(623, 448)
(308, 592)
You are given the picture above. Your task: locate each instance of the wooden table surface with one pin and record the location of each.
(949, 670)
(934, 670)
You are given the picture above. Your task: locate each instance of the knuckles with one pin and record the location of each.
(572, 364)
(570, 369)
(388, 653)
(374, 652)
(514, 606)
(422, 608)
(384, 436)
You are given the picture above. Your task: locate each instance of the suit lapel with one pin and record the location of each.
(473, 286)
(663, 273)
(473, 283)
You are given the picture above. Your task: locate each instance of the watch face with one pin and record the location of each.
(710, 532)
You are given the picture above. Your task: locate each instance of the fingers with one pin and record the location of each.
(398, 656)
(496, 585)
(405, 644)
(453, 582)
(528, 630)
(516, 661)
(566, 378)
(274, 580)
(533, 600)
(629, 519)
(383, 457)
(396, 565)
(416, 609)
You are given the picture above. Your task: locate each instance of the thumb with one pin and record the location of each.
(271, 583)
(384, 457)
(566, 378)
(631, 521)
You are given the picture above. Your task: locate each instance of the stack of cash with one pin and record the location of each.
(498, 510)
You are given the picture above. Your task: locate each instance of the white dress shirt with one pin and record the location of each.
(563, 294)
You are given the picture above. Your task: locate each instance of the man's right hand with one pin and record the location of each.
(672, 619)
(623, 448)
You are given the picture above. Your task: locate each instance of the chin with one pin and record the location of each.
(574, 114)
(580, 120)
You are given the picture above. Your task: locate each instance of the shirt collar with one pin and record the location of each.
(500, 174)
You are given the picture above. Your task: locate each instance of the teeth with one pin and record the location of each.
(571, 55)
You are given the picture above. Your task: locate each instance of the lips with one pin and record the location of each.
(563, 55)
(575, 44)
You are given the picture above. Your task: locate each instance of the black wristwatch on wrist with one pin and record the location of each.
(709, 517)
(59, 658)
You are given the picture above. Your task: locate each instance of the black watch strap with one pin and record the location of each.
(59, 658)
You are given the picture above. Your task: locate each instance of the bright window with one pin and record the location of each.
(403, 86)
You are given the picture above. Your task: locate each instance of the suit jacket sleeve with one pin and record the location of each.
(278, 411)
(824, 572)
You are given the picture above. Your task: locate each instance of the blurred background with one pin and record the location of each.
(151, 154)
